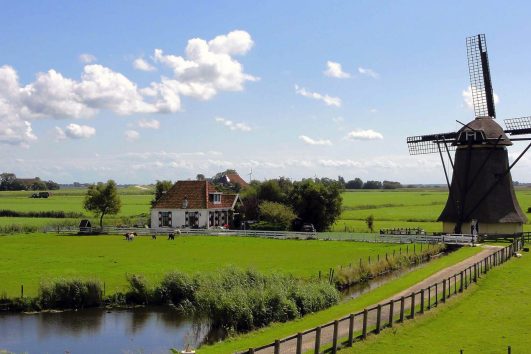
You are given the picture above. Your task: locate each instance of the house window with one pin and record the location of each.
(165, 219)
(215, 198)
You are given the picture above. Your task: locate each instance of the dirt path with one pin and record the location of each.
(308, 340)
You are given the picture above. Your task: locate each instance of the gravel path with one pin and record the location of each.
(308, 340)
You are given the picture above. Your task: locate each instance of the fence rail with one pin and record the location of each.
(354, 327)
(457, 239)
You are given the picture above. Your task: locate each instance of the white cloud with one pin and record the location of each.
(87, 58)
(368, 72)
(149, 123)
(328, 100)
(311, 141)
(206, 69)
(469, 102)
(334, 69)
(141, 64)
(131, 135)
(368, 134)
(233, 125)
(75, 131)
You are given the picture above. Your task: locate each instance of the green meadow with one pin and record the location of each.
(402, 208)
(29, 259)
(485, 319)
(390, 208)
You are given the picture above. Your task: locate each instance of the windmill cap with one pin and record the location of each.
(489, 127)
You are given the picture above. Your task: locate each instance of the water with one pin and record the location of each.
(99, 331)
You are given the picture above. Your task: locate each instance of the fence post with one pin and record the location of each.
(444, 291)
(412, 305)
(251, 351)
(391, 312)
(334, 345)
(317, 340)
(277, 346)
(475, 272)
(299, 343)
(21, 290)
(436, 294)
(422, 301)
(401, 309)
(509, 349)
(378, 318)
(351, 330)
(429, 297)
(455, 284)
(364, 330)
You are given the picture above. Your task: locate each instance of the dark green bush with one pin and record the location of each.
(138, 292)
(70, 294)
(177, 287)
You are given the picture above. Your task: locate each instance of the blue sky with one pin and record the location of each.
(140, 91)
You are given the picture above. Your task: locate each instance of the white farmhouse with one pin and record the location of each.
(195, 204)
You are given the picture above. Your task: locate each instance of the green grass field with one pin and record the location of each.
(281, 330)
(28, 259)
(485, 319)
(391, 208)
(402, 208)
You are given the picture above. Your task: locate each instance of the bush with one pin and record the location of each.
(39, 214)
(70, 294)
(138, 292)
(177, 287)
(277, 213)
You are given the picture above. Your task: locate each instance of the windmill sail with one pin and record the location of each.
(480, 82)
(430, 144)
(518, 126)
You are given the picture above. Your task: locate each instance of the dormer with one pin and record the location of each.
(215, 197)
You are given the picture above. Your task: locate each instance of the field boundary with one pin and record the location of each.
(345, 331)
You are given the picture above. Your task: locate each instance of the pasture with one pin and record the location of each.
(402, 208)
(30, 259)
(485, 319)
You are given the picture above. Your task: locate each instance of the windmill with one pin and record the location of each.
(481, 192)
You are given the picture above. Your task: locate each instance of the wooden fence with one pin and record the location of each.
(344, 332)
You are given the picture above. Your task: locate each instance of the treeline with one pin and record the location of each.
(357, 183)
(10, 182)
(283, 204)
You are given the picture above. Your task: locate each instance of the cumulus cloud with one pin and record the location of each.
(87, 58)
(334, 69)
(368, 134)
(149, 123)
(131, 135)
(310, 141)
(141, 64)
(328, 100)
(233, 125)
(75, 131)
(368, 72)
(469, 102)
(207, 68)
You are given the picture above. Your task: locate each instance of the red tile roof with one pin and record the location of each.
(197, 195)
(235, 178)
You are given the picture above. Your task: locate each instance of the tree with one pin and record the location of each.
(278, 214)
(161, 187)
(341, 182)
(317, 202)
(356, 183)
(391, 185)
(7, 180)
(270, 190)
(369, 220)
(372, 185)
(102, 199)
(200, 177)
(38, 186)
(51, 185)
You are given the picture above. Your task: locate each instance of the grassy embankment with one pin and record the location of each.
(402, 208)
(485, 319)
(281, 330)
(30, 259)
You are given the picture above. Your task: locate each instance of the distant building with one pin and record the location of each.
(234, 179)
(196, 204)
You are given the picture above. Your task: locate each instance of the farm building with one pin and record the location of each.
(196, 204)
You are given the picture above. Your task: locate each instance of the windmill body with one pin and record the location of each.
(481, 198)
(478, 167)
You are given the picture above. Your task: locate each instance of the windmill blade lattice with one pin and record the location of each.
(429, 144)
(480, 82)
(518, 126)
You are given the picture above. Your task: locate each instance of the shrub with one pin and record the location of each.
(277, 213)
(176, 287)
(70, 294)
(138, 292)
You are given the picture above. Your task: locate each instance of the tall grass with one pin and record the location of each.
(346, 276)
(40, 214)
(70, 294)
